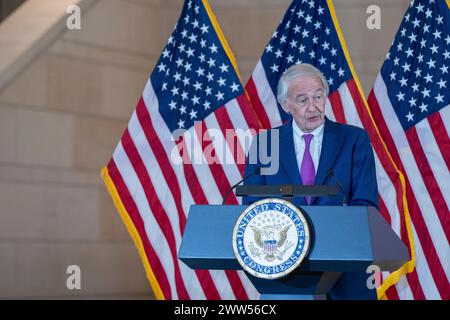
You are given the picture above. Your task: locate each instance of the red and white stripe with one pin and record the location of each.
(346, 105)
(157, 188)
(422, 153)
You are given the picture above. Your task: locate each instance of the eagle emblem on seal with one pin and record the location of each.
(270, 242)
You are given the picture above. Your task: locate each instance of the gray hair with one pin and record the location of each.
(295, 71)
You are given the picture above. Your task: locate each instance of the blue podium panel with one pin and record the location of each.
(344, 239)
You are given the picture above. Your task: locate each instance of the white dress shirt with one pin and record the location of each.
(315, 147)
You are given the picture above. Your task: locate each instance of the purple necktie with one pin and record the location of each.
(307, 168)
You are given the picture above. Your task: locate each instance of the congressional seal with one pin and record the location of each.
(271, 238)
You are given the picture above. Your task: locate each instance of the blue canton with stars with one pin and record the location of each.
(416, 69)
(306, 35)
(194, 76)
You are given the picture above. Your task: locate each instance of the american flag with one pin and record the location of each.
(410, 103)
(309, 33)
(157, 172)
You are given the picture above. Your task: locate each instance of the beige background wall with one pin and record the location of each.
(62, 116)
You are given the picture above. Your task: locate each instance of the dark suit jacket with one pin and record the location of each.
(346, 150)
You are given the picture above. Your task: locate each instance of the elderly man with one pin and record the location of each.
(316, 151)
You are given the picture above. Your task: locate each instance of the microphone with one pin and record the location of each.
(255, 172)
(331, 174)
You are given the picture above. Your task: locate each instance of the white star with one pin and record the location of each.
(213, 48)
(325, 45)
(290, 58)
(403, 32)
(317, 25)
(204, 28)
(164, 86)
(423, 43)
(175, 91)
(186, 81)
(393, 75)
(440, 19)
(315, 40)
(396, 61)
(197, 86)
(202, 57)
(166, 53)
(305, 33)
(416, 23)
(161, 67)
(426, 28)
(195, 100)
(210, 76)
(296, 29)
(283, 39)
(312, 54)
(274, 68)
(322, 60)
(184, 33)
(279, 53)
(388, 56)
(200, 72)
(401, 96)
(193, 38)
(442, 84)
(423, 107)
(234, 87)
(399, 46)
(429, 78)
(308, 19)
(403, 82)
(208, 91)
(207, 105)
(415, 87)
(412, 102)
(428, 13)
(301, 48)
(330, 81)
(190, 52)
(420, 57)
(333, 66)
(275, 34)
(320, 10)
(447, 39)
(333, 52)
(223, 67)
(431, 63)
(439, 98)
(418, 73)
(219, 96)
(437, 34)
(420, 8)
(444, 69)
(193, 114)
(197, 10)
(211, 62)
(180, 124)
(410, 116)
(293, 43)
(184, 95)
(183, 109)
(187, 67)
(172, 105)
(327, 31)
(409, 53)
(406, 67)
(425, 93)
(221, 82)
(446, 55)
(434, 49)
(269, 48)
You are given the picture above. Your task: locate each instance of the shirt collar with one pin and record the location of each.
(318, 132)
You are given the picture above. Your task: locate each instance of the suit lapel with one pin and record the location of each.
(331, 146)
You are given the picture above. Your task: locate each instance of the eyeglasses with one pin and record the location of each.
(316, 98)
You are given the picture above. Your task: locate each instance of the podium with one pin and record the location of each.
(344, 240)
